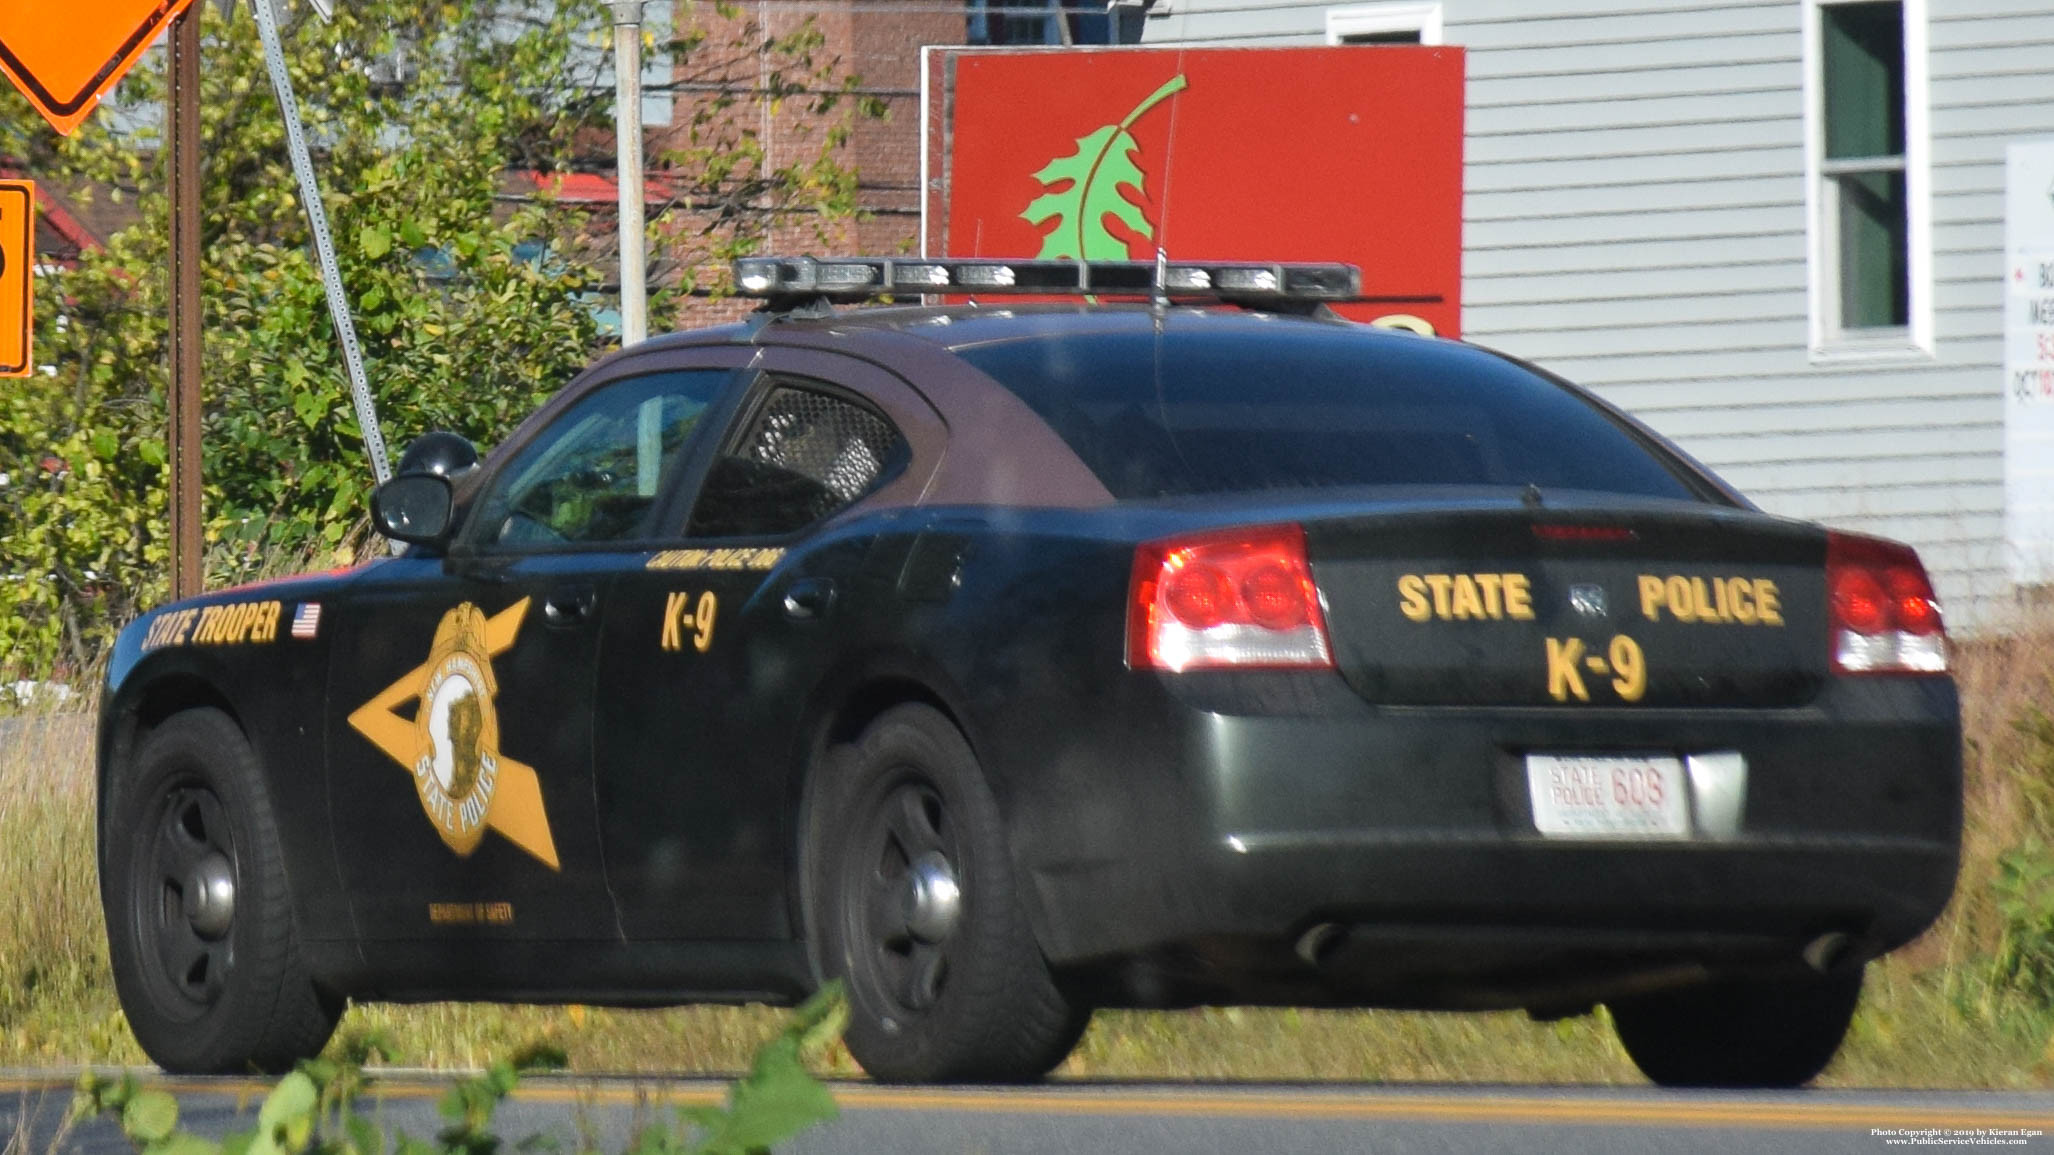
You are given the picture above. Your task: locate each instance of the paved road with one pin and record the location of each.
(1190, 1119)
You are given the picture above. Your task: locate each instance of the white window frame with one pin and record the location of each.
(1914, 342)
(1421, 16)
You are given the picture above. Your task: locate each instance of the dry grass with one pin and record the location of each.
(1931, 1017)
(2003, 679)
(56, 999)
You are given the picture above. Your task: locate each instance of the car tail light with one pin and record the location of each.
(1242, 599)
(1880, 609)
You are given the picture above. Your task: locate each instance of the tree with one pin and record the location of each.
(474, 296)
(732, 186)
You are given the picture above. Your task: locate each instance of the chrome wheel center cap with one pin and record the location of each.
(933, 899)
(210, 896)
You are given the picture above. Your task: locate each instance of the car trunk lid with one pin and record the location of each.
(1525, 606)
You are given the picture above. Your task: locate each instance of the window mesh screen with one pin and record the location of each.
(805, 456)
(839, 445)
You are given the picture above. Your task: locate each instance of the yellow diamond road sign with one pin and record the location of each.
(17, 266)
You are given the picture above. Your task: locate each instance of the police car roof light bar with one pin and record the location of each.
(849, 279)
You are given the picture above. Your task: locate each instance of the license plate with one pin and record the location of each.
(1607, 795)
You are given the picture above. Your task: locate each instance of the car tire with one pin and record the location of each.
(912, 903)
(211, 979)
(1735, 1033)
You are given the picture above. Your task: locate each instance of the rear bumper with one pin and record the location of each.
(1468, 923)
(1257, 848)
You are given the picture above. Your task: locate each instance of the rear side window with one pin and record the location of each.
(804, 456)
(1249, 405)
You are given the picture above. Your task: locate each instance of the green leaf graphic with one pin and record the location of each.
(1102, 165)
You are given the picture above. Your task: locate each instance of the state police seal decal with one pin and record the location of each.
(451, 745)
(456, 731)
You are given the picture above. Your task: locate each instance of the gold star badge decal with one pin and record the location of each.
(451, 745)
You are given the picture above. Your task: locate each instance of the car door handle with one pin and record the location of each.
(569, 606)
(809, 598)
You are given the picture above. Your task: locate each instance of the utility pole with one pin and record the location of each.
(183, 158)
(627, 121)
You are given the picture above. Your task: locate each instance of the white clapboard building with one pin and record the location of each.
(1773, 229)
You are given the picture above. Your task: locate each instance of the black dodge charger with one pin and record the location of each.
(1009, 659)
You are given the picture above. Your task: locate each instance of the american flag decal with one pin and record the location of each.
(306, 621)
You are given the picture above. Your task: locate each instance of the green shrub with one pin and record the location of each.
(475, 293)
(2023, 886)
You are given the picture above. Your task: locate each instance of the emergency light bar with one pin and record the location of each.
(865, 278)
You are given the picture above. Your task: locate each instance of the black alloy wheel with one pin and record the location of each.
(200, 924)
(912, 903)
(191, 869)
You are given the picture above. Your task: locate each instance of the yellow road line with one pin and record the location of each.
(1340, 1105)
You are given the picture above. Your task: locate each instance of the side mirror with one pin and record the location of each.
(414, 508)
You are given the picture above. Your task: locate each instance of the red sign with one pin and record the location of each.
(64, 57)
(1288, 154)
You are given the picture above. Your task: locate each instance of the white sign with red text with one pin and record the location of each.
(1608, 795)
(2029, 361)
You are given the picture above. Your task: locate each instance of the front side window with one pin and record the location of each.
(805, 454)
(595, 474)
(1867, 182)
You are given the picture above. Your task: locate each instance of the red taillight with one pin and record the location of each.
(1242, 599)
(1276, 598)
(1858, 602)
(1198, 595)
(1911, 601)
(1882, 617)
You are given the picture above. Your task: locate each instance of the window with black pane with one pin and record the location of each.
(1865, 214)
(1052, 23)
(1385, 22)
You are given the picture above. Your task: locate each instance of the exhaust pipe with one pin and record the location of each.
(1314, 943)
(1825, 952)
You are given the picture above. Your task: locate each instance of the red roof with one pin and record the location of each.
(54, 215)
(593, 188)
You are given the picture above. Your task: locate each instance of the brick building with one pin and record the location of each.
(879, 42)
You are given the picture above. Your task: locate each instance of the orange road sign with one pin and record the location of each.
(63, 57)
(17, 268)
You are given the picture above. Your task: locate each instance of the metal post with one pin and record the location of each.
(183, 157)
(324, 244)
(926, 126)
(627, 120)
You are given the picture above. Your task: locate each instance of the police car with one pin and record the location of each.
(1014, 657)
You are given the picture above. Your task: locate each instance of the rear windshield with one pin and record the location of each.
(1230, 408)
